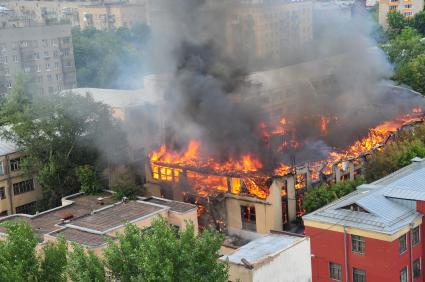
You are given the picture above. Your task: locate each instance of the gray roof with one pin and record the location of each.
(389, 203)
(7, 147)
(262, 248)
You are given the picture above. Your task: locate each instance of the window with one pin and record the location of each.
(408, 6)
(359, 275)
(393, 8)
(15, 59)
(47, 67)
(66, 40)
(415, 236)
(248, 218)
(55, 54)
(27, 208)
(23, 187)
(2, 193)
(1, 168)
(402, 247)
(24, 43)
(38, 68)
(6, 72)
(335, 271)
(56, 65)
(9, 84)
(36, 56)
(417, 268)
(46, 54)
(66, 52)
(357, 244)
(403, 275)
(3, 213)
(14, 164)
(49, 77)
(58, 77)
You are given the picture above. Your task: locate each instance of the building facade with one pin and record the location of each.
(374, 233)
(266, 29)
(45, 53)
(45, 12)
(19, 192)
(111, 16)
(408, 8)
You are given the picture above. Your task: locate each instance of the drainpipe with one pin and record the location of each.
(9, 192)
(345, 254)
(411, 253)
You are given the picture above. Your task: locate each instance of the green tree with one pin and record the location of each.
(104, 59)
(418, 22)
(396, 23)
(53, 262)
(18, 259)
(394, 156)
(89, 179)
(59, 133)
(85, 266)
(159, 253)
(325, 194)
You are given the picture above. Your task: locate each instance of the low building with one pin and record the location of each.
(278, 256)
(407, 8)
(111, 16)
(374, 233)
(92, 220)
(19, 191)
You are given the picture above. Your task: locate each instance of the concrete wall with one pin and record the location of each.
(293, 264)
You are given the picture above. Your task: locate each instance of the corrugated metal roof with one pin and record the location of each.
(384, 214)
(262, 248)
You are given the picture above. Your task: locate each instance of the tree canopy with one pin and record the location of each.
(396, 154)
(110, 59)
(59, 133)
(326, 194)
(157, 253)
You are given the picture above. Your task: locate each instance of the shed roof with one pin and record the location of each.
(262, 248)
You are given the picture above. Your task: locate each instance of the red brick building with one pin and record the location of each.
(373, 234)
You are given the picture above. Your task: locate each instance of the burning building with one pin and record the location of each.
(245, 145)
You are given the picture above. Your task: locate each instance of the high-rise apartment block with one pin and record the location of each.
(44, 53)
(408, 8)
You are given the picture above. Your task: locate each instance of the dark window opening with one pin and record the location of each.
(248, 218)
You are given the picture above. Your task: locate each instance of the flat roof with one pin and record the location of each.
(116, 215)
(262, 248)
(48, 221)
(175, 206)
(81, 237)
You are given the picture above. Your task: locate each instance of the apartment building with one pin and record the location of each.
(110, 16)
(408, 8)
(92, 220)
(19, 191)
(373, 234)
(266, 29)
(45, 53)
(46, 12)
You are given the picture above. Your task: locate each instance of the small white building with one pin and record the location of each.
(279, 257)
